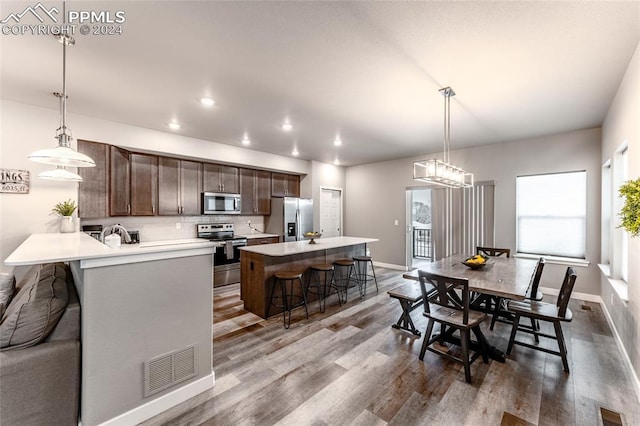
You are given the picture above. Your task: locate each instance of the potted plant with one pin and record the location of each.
(630, 212)
(65, 210)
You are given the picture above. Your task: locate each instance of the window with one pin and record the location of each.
(551, 214)
(624, 237)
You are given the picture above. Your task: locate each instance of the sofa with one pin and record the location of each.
(39, 348)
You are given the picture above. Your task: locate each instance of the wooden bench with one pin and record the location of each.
(410, 298)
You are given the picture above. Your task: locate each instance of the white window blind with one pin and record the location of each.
(551, 214)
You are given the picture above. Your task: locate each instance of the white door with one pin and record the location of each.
(330, 212)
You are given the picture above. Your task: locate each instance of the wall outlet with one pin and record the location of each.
(178, 225)
(395, 222)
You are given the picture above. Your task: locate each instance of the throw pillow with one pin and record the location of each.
(7, 288)
(36, 308)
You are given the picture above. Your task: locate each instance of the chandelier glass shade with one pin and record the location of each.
(439, 172)
(62, 155)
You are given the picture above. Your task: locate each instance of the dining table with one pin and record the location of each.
(500, 277)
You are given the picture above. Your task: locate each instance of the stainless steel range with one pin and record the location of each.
(226, 257)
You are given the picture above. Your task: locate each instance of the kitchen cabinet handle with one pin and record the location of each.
(153, 209)
(128, 208)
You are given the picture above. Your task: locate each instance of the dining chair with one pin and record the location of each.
(491, 303)
(533, 293)
(447, 303)
(493, 251)
(549, 312)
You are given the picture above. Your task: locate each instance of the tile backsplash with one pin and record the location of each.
(157, 228)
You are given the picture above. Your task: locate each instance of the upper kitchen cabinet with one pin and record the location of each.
(133, 183)
(144, 184)
(255, 190)
(179, 187)
(285, 185)
(220, 178)
(93, 198)
(119, 182)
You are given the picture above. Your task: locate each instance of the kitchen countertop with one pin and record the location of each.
(297, 247)
(61, 247)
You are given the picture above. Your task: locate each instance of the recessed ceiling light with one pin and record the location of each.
(286, 126)
(337, 141)
(174, 126)
(245, 140)
(295, 152)
(207, 101)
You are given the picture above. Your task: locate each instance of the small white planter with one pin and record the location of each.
(66, 224)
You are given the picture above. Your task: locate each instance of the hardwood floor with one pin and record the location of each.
(348, 366)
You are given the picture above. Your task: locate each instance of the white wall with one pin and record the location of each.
(25, 128)
(324, 175)
(623, 124)
(377, 194)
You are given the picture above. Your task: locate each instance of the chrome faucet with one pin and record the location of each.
(111, 229)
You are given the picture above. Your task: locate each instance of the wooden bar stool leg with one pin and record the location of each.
(286, 307)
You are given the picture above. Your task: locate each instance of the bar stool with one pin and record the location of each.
(361, 263)
(320, 277)
(343, 274)
(287, 296)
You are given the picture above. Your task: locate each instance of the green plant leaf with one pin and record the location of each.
(65, 208)
(630, 212)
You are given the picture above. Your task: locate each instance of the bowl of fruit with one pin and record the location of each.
(475, 262)
(311, 236)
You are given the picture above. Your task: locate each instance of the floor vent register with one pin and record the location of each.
(166, 370)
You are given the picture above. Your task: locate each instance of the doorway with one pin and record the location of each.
(420, 243)
(330, 212)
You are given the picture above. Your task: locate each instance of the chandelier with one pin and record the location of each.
(439, 172)
(63, 155)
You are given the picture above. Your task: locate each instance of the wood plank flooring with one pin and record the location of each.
(348, 366)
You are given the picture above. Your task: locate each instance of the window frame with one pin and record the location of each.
(555, 258)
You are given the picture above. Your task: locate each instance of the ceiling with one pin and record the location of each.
(367, 71)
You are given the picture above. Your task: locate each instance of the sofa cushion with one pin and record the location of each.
(7, 288)
(36, 307)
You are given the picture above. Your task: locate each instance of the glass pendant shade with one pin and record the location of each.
(61, 174)
(62, 156)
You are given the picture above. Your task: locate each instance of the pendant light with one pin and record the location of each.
(63, 155)
(442, 172)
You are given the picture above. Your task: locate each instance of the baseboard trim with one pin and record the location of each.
(163, 403)
(621, 348)
(625, 356)
(390, 266)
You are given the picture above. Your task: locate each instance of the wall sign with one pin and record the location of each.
(14, 181)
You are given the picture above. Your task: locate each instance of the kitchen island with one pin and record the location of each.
(139, 305)
(258, 264)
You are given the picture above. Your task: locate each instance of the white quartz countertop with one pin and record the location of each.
(297, 247)
(259, 235)
(59, 247)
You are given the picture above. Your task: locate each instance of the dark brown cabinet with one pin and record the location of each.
(93, 198)
(144, 184)
(179, 187)
(265, 240)
(220, 178)
(285, 185)
(119, 182)
(255, 190)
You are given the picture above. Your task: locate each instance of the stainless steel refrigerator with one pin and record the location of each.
(290, 218)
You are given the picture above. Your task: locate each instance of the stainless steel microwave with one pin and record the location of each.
(219, 203)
